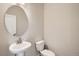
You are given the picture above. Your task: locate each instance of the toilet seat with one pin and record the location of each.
(47, 53)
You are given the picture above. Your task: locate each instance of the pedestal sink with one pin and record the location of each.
(19, 49)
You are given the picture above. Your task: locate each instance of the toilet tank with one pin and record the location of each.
(40, 45)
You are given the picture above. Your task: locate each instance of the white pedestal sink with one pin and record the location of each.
(19, 49)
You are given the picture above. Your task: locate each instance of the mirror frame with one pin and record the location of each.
(22, 7)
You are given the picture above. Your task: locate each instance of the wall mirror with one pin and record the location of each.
(16, 20)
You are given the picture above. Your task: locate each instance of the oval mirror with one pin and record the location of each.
(16, 21)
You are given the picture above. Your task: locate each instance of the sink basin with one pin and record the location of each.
(19, 48)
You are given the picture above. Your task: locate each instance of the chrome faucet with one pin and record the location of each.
(19, 40)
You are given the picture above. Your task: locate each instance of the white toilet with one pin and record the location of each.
(43, 52)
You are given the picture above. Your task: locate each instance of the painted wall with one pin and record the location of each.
(61, 28)
(35, 16)
(35, 30)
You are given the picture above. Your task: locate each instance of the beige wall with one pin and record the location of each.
(3, 34)
(35, 30)
(61, 28)
(35, 15)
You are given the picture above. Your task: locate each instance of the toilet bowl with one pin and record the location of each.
(43, 52)
(47, 52)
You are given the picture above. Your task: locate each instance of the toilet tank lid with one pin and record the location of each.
(39, 42)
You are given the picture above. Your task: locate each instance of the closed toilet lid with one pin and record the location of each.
(47, 53)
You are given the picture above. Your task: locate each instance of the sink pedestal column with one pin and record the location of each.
(20, 54)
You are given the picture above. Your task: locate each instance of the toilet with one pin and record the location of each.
(43, 52)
